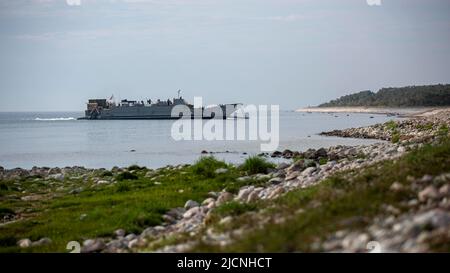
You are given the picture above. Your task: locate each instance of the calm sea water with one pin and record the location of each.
(59, 140)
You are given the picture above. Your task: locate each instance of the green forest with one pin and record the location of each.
(409, 96)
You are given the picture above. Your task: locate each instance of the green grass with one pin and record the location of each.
(425, 127)
(126, 176)
(347, 200)
(256, 164)
(234, 208)
(323, 161)
(123, 187)
(443, 130)
(207, 165)
(5, 211)
(106, 174)
(391, 125)
(133, 203)
(395, 137)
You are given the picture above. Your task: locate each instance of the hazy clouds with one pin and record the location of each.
(294, 53)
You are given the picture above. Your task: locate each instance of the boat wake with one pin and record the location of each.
(54, 119)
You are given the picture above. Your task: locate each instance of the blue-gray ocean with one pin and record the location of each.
(57, 139)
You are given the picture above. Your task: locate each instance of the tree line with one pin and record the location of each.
(408, 96)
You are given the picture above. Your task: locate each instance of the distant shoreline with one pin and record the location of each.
(403, 112)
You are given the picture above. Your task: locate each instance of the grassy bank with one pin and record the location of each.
(96, 204)
(347, 200)
(80, 208)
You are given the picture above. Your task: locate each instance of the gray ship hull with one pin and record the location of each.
(149, 112)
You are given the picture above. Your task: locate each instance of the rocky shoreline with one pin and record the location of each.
(288, 177)
(420, 129)
(192, 222)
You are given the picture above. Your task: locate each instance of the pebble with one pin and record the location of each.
(393, 210)
(58, 176)
(120, 233)
(221, 171)
(426, 179)
(292, 175)
(168, 219)
(24, 243)
(429, 192)
(176, 213)
(225, 221)
(308, 171)
(224, 197)
(276, 180)
(133, 243)
(275, 193)
(261, 177)
(93, 245)
(280, 174)
(130, 237)
(282, 166)
(207, 201)
(297, 166)
(191, 212)
(191, 204)
(440, 219)
(213, 194)
(116, 246)
(76, 191)
(396, 186)
(445, 190)
(254, 195)
(211, 205)
(42, 242)
(244, 193)
(413, 202)
(355, 241)
(437, 218)
(244, 178)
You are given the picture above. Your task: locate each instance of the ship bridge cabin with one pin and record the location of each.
(98, 104)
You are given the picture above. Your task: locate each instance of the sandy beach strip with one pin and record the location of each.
(405, 112)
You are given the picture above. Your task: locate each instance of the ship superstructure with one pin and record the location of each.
(159, 109)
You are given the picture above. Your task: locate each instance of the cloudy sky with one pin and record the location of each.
(54, 56)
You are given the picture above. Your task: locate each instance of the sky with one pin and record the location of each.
(56, 54)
